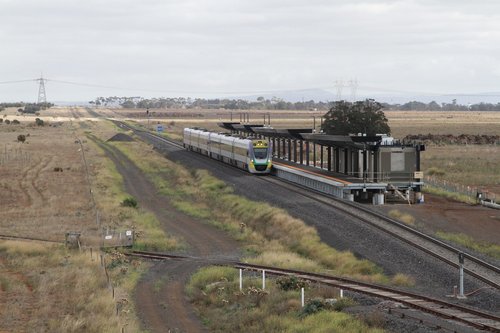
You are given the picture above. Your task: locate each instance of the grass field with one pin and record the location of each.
(39, 200)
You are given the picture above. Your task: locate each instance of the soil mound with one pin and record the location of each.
(121, 137)
(461, 139)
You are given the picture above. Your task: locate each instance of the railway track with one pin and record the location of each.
(472, 317)
(473, 266)
(28, 239)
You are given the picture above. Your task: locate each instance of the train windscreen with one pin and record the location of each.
(260, 153)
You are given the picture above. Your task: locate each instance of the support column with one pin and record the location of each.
(295, 150)
(307, 153)
(321, 156)
(365, 165)
(274, 146)
(301, 151)
(289, 150)
(329, 156)
(346, 159)
(284, 148)
(337, 159)
(314, 154)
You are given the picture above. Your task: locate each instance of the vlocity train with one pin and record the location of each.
(250, 154)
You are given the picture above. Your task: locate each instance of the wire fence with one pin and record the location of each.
(474, 192)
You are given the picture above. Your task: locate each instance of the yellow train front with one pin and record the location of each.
(252, 155)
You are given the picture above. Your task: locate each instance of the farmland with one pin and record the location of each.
(49, 185)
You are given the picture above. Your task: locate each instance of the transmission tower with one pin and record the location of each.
(42, 98)
(339, 84)
(353, 84)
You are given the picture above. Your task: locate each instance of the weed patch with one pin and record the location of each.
(402, 217)
(489, 249)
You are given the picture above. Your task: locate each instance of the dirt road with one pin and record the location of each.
(159, 296)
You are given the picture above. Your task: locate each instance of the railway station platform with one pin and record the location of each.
(354, 167)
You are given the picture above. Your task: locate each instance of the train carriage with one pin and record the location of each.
(250, 154)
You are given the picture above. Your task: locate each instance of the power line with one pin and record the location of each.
(17, 81)
(339, 85)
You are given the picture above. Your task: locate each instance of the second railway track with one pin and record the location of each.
(472, 317)
(473, 266)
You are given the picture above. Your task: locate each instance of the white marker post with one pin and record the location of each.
(263, 279)
(302, 296)
(241, 279)
(341, 293)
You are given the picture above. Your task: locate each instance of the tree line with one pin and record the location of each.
(26, 107)
(273, 103)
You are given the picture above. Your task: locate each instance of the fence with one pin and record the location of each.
(473, 192)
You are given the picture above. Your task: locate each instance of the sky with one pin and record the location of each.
(208, 48)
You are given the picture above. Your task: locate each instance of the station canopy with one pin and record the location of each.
(306, 134)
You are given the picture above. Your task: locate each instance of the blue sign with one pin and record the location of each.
(159, 128)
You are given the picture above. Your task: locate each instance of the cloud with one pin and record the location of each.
(249, 45)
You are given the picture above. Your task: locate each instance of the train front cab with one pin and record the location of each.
(260, 153)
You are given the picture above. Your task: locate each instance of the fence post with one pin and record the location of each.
(263, 279)
(302, 296)
(241, 279)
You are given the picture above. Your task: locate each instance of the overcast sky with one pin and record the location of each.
(194, 47)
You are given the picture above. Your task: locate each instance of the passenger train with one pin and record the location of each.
(251, 154)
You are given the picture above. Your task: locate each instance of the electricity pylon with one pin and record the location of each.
(42, 98)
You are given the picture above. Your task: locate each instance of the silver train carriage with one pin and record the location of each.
(250, 154)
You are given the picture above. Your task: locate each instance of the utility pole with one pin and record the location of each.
(42, 97)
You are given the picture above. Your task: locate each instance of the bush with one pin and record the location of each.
(129, 202)
(21, 138)
(1, 120)
(39, 122)
(435, 172)
(314, 306)
(7, 121)
(290, 283)
(15, 122)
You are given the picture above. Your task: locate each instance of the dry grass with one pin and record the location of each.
(402, 217)
(54, 290)
(36, 200)
(48, 288)
(467, 165)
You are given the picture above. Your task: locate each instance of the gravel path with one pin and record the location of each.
(159, 296)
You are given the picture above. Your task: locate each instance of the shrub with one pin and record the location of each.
(1, 120)
(15, 122)
(435, 172)
(129, 202)
(7, 121)
(39, 122)
(290, 283)
(21, 138)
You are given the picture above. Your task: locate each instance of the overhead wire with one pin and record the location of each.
(242, 92)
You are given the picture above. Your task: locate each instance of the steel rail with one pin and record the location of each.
(443, 245)
(28, 239)
(472, 317)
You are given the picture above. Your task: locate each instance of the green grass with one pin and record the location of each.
(489, 249)
(447, 194)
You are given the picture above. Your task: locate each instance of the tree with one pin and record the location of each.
(360, 117)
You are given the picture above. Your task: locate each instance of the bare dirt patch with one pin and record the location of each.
(442, 214)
